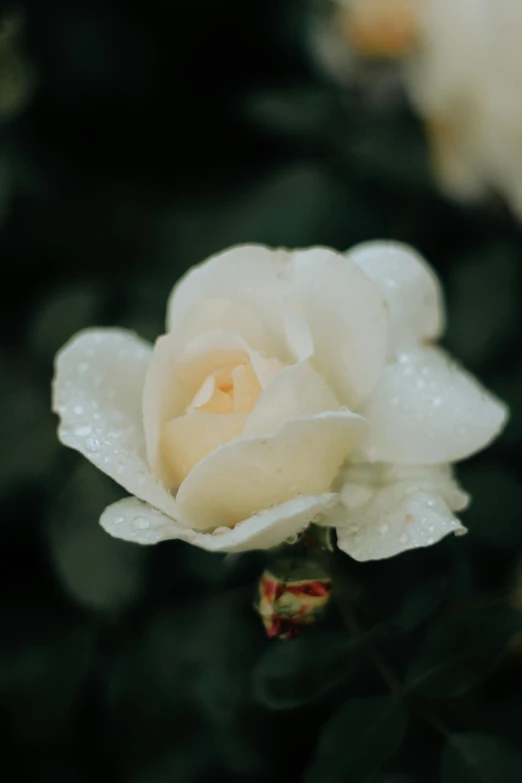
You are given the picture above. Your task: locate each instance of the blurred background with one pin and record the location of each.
(135, 140)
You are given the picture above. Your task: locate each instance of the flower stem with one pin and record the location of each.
(341, 592)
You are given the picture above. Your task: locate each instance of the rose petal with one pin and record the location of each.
(248, 275)
(189, 438)
(395, 521)
(247, 388)
(248, 475)
(381, 517)
(175, 375)
(428, 410)
(295, 392)
(410, 287)
(97, 392)
(298, 336)
(132, 520)
(367, 477)
(348, 321)
(221, 313)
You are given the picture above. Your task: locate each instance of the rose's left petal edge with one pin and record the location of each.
(97, 393)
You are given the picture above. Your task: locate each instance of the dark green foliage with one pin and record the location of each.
(459, 652)
(368, 731)
(303, 671)
(480, 758)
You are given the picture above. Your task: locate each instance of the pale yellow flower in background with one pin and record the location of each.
(461, 66)
(380, 28)
(290, 387)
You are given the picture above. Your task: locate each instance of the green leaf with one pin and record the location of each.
(460, 651)
(357, 740)
(480, 758)
(226, 643)
(417, 605)
(297, 672)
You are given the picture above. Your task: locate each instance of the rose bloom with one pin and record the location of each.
(461, 65)
(290, 387)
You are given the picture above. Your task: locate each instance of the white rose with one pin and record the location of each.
(290, 387)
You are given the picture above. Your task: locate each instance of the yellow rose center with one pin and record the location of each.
(228, 390)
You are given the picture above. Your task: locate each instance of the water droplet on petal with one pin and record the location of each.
(83, 430)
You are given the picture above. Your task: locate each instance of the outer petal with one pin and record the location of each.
(348, 321)
(97, 392)
(294, 392)
(410, 287)
(222, 313)
(248, 475)
(248, 275)
(427, 410)
(386, 512)
(138, 522)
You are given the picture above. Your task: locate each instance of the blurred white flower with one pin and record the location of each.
(462, 68)
(290, 387)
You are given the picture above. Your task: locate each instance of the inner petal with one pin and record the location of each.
(246, 388)
(215, 394)
(204, 394)
(194, 376)
(217, 414)
(220, 402)
(189, 438)
(228, 390)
